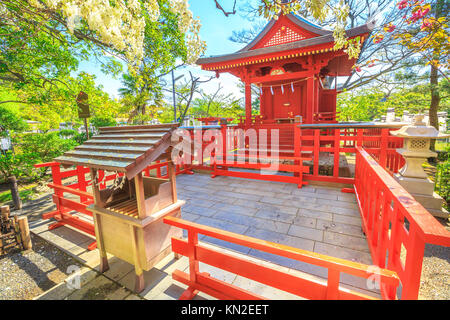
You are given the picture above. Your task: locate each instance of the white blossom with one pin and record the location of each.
(121, 23)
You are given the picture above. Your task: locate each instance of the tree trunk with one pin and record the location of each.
(15, 193)
(440, 9)
(435, 100)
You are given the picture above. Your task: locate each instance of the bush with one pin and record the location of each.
(10, 121)
(103, 121)
(443, 181)
(18, 165)
(443, 176)
(33, 148)
(44, 146)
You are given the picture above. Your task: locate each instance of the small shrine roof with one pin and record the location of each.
(128, 149)
(299, 33)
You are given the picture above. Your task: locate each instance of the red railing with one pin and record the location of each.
(297, 285)
(334, 141)
(258, 152)
(397, 227)
(65, 207)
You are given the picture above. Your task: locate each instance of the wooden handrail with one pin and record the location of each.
(71, 190)
(342, 265)
(431, 230)
(46, 164)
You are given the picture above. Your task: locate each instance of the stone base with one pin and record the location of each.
(416, 185)
(440, 213)
(434, 201)
(433, 204)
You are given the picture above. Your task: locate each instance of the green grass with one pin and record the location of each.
(25, 194)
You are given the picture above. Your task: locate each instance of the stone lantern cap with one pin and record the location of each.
(418, 129)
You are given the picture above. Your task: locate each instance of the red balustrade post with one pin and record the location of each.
(191, 292)
(333, 284)
(337, 145)
(81, 176)
(316, 151)
(223, 131)
(298, 154)
(57, 179)
(359, 137)
(158, 169)
(413, 265)
(383, 147)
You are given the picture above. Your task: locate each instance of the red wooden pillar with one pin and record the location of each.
(309, 99)
(248, 103)
(316, 94)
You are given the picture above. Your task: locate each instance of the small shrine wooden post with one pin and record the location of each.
(128, 215)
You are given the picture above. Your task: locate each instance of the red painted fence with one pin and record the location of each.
(397, 227)
(296, 145)
(332, 142)
(297, 285)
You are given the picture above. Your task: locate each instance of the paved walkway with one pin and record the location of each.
(319, 219)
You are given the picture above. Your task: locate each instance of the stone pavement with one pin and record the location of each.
(314, 218)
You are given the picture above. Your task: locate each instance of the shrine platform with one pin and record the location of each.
(314, 218)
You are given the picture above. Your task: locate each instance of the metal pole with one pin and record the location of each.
(86, 127)
(174, 101)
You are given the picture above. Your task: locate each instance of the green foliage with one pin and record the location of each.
(103, 121)
(443, 178)
(44, 147)
(63, 108)
(33, 148)
(371, 103)
(18, 165)
(218, 107)
(10, 121)
(365, 106)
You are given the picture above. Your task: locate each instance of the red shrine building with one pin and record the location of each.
(294, 64)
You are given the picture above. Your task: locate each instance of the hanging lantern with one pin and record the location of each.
(282, 89)
(271, 90)
(292, 86)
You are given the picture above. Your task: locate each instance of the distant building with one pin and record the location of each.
(407, 118)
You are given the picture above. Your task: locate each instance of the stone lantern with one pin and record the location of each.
(416, 150)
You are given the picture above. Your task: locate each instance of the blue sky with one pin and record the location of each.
(215, 30)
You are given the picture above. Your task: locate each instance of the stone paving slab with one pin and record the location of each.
(259, 223)
(338, 227)
(305, 232)
(313, 218)
(275, 215)
(354, 221)
(293, 241)
(344, 253)
(267, 206)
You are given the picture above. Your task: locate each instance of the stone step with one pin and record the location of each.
(434, 201)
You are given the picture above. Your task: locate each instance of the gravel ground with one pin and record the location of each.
(25, 275)
(435, 280)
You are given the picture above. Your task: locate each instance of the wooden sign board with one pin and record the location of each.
(83, 106)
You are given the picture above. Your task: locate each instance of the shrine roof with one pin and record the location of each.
(300, 33)
(128, 149)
